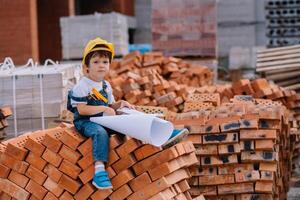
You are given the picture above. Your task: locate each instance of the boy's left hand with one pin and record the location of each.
(125, 104)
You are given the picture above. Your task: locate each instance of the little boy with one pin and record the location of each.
(92, 97)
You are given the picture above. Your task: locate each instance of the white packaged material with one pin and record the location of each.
(35, 93)
(76, 31)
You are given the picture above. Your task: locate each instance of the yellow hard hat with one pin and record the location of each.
(98, 41)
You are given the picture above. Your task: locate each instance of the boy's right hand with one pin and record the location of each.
(109, 111)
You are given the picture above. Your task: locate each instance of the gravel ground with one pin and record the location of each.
(294, 193)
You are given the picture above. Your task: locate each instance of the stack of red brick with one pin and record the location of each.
(4, 113)
(184, 28)
(154, 80)
(260, 88)
(243, 148)
(57, 164)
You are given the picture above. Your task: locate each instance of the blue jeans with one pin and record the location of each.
(99, 136)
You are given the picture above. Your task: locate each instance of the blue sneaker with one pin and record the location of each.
(102, 181)
(177, 136)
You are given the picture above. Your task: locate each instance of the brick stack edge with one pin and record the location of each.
(243, 148)
(57, 163)
(4, 113)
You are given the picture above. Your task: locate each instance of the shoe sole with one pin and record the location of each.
(101, 188)
(176, 139)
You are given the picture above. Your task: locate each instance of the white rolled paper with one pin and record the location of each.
(144, 127)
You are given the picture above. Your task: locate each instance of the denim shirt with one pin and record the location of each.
(90, 101)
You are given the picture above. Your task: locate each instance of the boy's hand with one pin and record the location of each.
(125, 104)
(109, 111)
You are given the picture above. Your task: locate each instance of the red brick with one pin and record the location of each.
(69, 184)
(4, 196)
(216, 179)
(155, 160)
(86, 147)
(36, 175)
(52, 157)
(163, 169)
(53, 187)
(112, 157)
(122, 178)
(121, 193)
(247, 176)
(53, 172)
(177, 176)
(235, 188)
(87, 174)
(50, 196)
(183, 185)
(51, 141)
(84, 192)
(101, 194)
(69, 154)
(36, 161)
(34, 143)
(128, 147)
(258, 134)
(114, 141)
(140, 182)
(19, 166)
(195, 138)
(13, 190)
(150, 190)
(86, 161)
(18, 179)
(70, 169)
(264, 187)
(146, 151)
(4, 171)
(71, 138)
(124, 163)
(15, 148)
(111, 172)
(36, 190)
(66, 196)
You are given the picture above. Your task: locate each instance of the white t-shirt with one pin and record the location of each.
(84, 87)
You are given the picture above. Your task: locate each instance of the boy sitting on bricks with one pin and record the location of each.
(92, 96)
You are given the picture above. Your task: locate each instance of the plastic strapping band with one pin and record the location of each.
(42, 101)
(15, 105)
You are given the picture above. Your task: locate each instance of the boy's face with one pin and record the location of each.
(98, 67)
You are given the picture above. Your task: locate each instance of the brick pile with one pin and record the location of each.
(4, 113)
(243, 149)
(260, 88)
(57, 163)
(154, 80)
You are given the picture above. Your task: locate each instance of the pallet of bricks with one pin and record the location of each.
(155, 80)
(57, 163)
(4, 113)
(261, 88)
(243, 148)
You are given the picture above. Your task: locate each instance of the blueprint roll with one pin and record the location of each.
(144, 127)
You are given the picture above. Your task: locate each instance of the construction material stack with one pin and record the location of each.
(197, 36)
(154, 80)
(243, 148)
(36, 94)
(280, 65)
(76, 31)
(4, 113)
(282, 22)
(58, 164)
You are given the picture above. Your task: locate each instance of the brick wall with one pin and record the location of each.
(32, 29)
(18, 34)
(49, 13)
